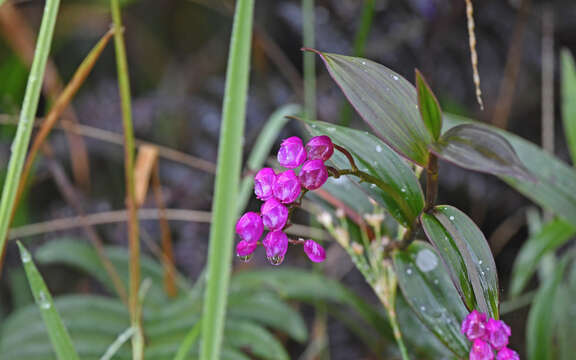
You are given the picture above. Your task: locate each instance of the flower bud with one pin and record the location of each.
(274, 214)
(249, 227)
(292, 153)
(287, 187)
(313, 174)
(244, 250)
(481, 350)
(264, 183)
(319, 148)
(314, 251)
(474, 325)
(497, 333)
(276, 244)
(507, 354)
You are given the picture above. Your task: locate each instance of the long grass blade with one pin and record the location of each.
(27, 116)
(227, 181)
(55, 328)
(189, 341)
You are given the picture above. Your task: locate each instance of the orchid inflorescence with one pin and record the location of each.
(487, 336)
(282, 192)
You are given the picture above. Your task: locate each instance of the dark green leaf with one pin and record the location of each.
(429, 107)
(541, 320)
(478, 148)
(385, 100)
(467, 255)
(430, 293)
(403, 199)
(57, 332)
(569, 100)
(551, 237)
(555, 181)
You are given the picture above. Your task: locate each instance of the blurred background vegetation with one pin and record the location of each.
(177, 53)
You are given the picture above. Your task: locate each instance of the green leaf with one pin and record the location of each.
(255, 339)
(385, 100)
(403, 199)
(59, 336)
(555, 181)
(478, 148)
(467, 256)
(429, 107)
(551, 237)
(569, 100)
(431, 295)
(541, 320)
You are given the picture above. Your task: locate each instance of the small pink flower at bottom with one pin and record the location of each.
(497, 333)
(481, 350)
(319, 148)
(274, 214)
(249, 227)
(314, 251)
(313, 174)
(264, 183)
(473, 326)
(244, 250)
(287, 187)
(276, 244)
(507, 354)
(292, 153)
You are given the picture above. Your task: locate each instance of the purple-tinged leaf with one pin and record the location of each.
(429, 107)
(466, 253)
(385, 100)
(478, 148)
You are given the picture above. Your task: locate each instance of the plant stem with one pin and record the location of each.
(308, 40)
(26, 123)
(431, 182)
(348, 156)
(227, 182)
(133, 230)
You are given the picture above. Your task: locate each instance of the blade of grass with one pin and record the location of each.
(117, 344)
(227, 181)
(26, 124)
(55, 328)
(308, 40)
(188, 341)
(262, 148)
(134, 240)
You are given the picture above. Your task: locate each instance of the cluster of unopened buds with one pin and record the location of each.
(488, 336)
(281, 193)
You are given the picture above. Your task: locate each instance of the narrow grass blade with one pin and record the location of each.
(61, 341)
(188, 342)
(262, 148)
(26, 123)
(227, 182)
(117, 344)
(569, 100)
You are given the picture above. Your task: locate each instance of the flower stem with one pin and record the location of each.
(431, 182)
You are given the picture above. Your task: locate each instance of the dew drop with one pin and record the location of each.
(276, 260)
(435, 281)
(395, 77)
(451, 218)
(409, 271)
(403, 190)
(483, 273)
(363, 62)
(43, 301)
(330, 129)
(245, 259)
(479, 262)
(422, 308)
(372, 186)
(25, 256)
(426, 260)
(378, 148)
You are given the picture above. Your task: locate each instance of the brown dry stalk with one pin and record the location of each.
(59, 106)
(473, 53)
(145, 163)
(20, 37)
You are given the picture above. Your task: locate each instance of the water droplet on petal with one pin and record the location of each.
(245, 259)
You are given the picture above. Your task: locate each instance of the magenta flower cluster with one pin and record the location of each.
(488, 336)
(280, 193)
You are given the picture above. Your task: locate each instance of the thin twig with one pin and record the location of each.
(473, 52)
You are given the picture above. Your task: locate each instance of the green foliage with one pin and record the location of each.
(553, 235)
(481, 149)
(467, 255)
(56, 330)
(569, 100)
(385, 100)
(430, 293)
(226, 184)
(429, 107)
(403, 196)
